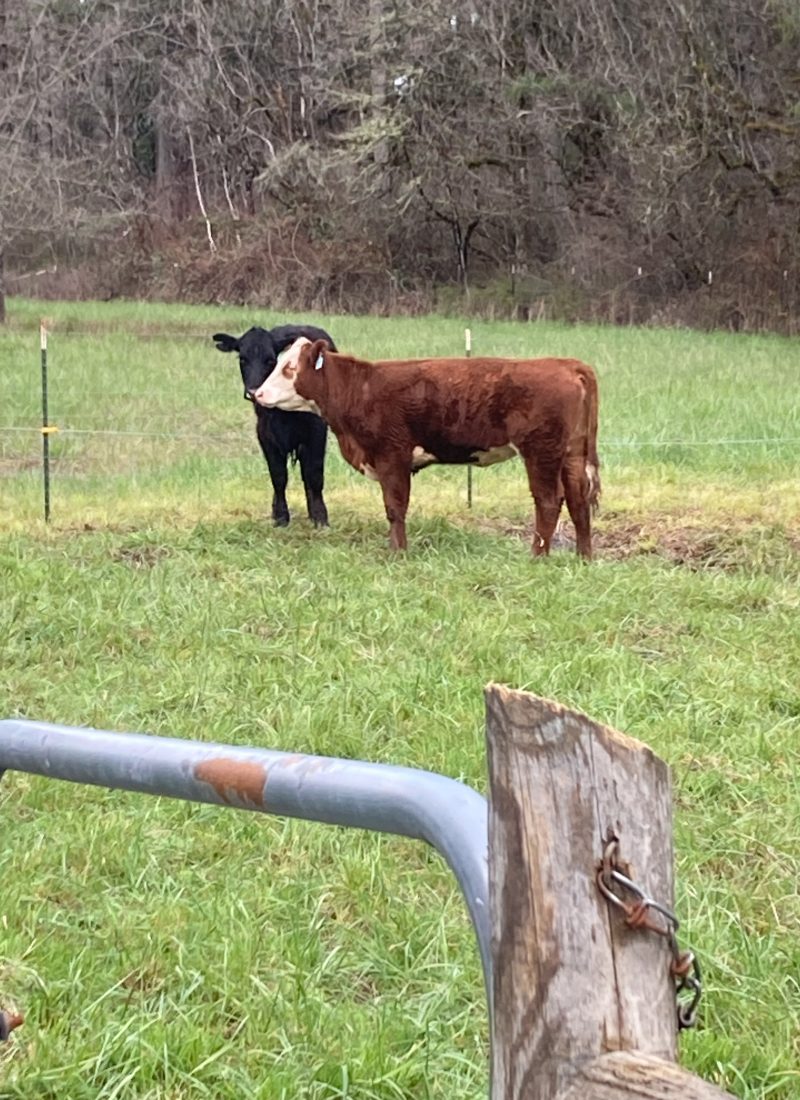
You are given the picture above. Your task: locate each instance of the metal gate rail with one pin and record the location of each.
(449, 815)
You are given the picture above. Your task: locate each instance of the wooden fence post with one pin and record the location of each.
(584, 1006)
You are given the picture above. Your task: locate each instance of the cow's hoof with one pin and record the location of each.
(280, 521)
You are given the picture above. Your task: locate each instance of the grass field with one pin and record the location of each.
(166, 950)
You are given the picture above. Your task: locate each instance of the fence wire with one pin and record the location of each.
(603, 444)
(78, 451)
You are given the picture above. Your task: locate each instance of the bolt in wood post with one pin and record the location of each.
(584, 1007)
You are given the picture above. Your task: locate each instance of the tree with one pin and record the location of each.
(354, 149)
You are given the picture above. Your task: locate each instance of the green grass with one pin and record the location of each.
(166, 950)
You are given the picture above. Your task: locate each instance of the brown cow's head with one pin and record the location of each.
(292, 385)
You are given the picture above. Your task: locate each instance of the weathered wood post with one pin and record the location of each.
(584, 1006)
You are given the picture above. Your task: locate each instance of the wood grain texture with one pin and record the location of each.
(626, 1076)
(571, 981)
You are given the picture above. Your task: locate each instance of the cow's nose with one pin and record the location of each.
(249, 395)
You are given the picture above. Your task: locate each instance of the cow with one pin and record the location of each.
(281, 435)
(395, 417)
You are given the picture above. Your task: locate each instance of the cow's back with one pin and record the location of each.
(486, 402)
(284, 336)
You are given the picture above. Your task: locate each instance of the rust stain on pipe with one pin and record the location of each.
(10, 1021)
(237, 782)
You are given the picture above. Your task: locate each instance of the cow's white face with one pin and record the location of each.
(278, 391)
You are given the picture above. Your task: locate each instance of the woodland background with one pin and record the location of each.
(579, 159)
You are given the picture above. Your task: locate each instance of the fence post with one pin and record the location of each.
(468, 353)
(45, 423)
(584, 1006)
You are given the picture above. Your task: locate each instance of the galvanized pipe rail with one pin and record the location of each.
(385, 798)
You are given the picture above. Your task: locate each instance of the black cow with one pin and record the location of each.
(281, 434)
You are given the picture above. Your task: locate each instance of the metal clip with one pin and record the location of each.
(639, 913)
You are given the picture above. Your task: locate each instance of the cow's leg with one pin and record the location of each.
(544, 478)
(576, 491)
(277, 461)
(312, 468)
(395, 480)
(276, 457)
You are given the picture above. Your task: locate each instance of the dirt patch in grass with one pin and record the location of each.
(73, 326)
(10, 467)
(738, 545)
(140, 557)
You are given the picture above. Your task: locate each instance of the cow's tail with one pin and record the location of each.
(592, 461)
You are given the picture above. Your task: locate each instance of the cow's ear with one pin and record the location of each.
(225, 342)
(317, 353)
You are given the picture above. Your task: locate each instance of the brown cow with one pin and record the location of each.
(393, 418)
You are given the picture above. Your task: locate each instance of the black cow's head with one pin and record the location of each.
(257, 356)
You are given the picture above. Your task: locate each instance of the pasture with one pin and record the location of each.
(171, 951)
